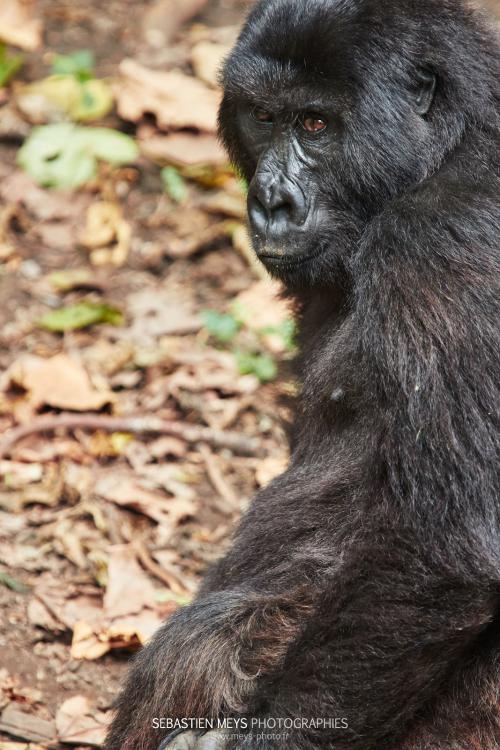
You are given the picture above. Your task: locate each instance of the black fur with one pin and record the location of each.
(365, 581)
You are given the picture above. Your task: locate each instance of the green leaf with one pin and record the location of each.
(94, 102)
(287, 331)
(65, 281)
(221, 326)
(79, 64)
(80, 316)
(262, 366)
(63, 97)
(65, 155)
(168, 596)
(109, 145)
(13, 583)
(9, 65)
(174, 184)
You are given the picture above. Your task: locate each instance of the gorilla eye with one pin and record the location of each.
(313, 123)
(261, 115)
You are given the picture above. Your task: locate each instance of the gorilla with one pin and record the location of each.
(359, 607)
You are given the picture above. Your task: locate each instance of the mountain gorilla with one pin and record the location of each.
(359, 607)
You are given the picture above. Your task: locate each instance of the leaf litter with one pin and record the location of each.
(139, 403)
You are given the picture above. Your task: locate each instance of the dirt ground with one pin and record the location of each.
(104, 531)
(106, 524)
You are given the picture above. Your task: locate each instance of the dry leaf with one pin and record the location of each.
(207, 58)
(91, 641)
(161, 314)
(183, 247)
(16, 474)
(141, 626)
(184, 149)
(106, 226)
(269, 468)
(18, 26)
(123, 490)
(69, 606)
(41, 617)
(77, 724)
(87, 643)
(129, 589)
(19, 723)
(60, 382)
(261, 306)
(128, 617)
(163, 18)
(45, 205)
(228, 204)
(177, 100)
(95, 632)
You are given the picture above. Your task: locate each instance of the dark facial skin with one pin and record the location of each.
(288, 208)
(284, 209)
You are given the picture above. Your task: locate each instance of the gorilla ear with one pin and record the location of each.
(425, 90)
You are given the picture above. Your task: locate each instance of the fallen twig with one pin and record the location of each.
(228, 500)
(245, 446)
(156, 570)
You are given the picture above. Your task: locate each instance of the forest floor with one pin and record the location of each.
(144, 355)
(130, 295)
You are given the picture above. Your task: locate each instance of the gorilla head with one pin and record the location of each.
(329, 124)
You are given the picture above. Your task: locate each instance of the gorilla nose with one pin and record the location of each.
(274, 208)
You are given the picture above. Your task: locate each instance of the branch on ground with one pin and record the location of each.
(240, 444)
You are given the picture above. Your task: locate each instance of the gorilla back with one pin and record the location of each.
(361, 598)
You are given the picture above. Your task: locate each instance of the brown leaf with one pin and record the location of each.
(77, 724)
(41, 617)
(161, 314)
(163, 18)
(18, 26)
(95, 630)
(226, 203)
(60, 382)
(107, 235)
(269, 468)
(129, 589)
(261, 306)
(91, 641)
(17, 474)
(45, 205)
(177, 100)
(68, 606)
(88, 642)
(184, 149)
(207, 58)
(141, 626)
(19, 723)
(123, 490)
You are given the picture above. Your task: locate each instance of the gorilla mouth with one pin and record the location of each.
(288, 260)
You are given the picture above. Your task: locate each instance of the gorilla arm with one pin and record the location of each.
(208, 658)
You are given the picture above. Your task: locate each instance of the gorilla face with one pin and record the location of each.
(326, 132)
(287, 205)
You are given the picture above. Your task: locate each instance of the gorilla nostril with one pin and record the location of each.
(276, 207)
(282, 213)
